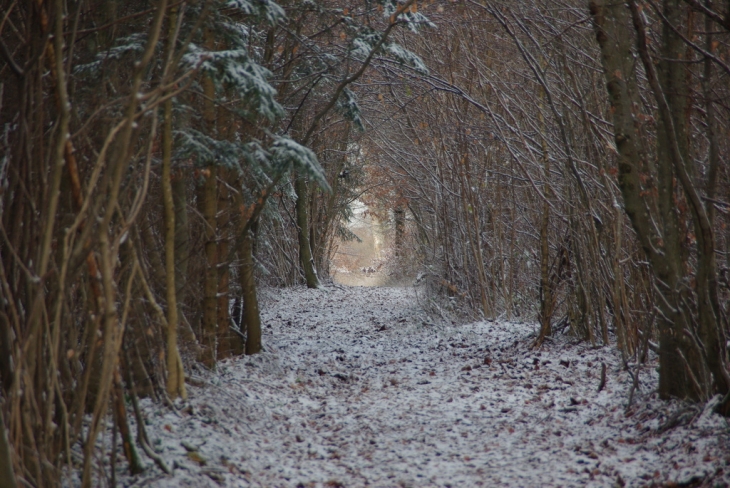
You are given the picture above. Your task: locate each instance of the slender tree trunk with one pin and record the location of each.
(175, 373)
(697, 357)
(671, 77)
(117, 168)
(546, 292)
(546, 298)
(625, 343)
(471, 226)
(225, 338)
(182, 234)
(210, 215)
(7, 368)
(712, 318)
(248, 289)
(210, 287)
(182, 258)
(399, 215)
(301, 187)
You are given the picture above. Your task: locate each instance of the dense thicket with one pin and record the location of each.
(537, 191)
(160, 159)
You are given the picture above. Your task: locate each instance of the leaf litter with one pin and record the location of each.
(358, 387)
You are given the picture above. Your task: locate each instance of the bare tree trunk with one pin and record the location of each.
(182, 234)
(546, 295)
(399, 215)
(250, 301)
(210, 287)
(322, 247)
(175, 373)
(209, 199)
(182, 258)
(473, 236)
(225, 339)
(713, 334)
(710, 352)
(305, 251)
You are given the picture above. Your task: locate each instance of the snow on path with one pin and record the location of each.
(358, 388)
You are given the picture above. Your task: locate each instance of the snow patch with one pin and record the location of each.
(358, 388)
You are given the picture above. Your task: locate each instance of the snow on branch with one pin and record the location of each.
(265, 9)
(134, 43)
(368, 38)
(235, 68)
(347, 104)
(286, 152)
(410, 17)
(406, 57)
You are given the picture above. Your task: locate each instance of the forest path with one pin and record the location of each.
(358, 388)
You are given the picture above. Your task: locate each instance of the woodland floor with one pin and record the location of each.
(359, 388)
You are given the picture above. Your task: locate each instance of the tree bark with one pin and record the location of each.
(546, 295)
(301, 187)
(210, 213)
(225, 338)
(210, 287)
(399, 216)
(175, 373)
(717, 341)
(182, 234)
(248, 289)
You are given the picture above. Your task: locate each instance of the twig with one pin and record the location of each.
(634, 385)
(142, 439)
(649, 344)
(635, 375)
(154, 456)
(680, 417)
(235, 328)
(691, 375)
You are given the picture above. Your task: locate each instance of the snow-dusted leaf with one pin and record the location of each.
(344, 233)
(411, 17)
(389, 7)
(237, 34)
(134, 43)
(416, 20)
(406, 57)
(286, 153)
(364, 42)
(347, 104)
(256, 155)
(205, 150)
(265, 9)
(235, 69)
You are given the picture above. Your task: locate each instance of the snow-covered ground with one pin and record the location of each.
(359, 388)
